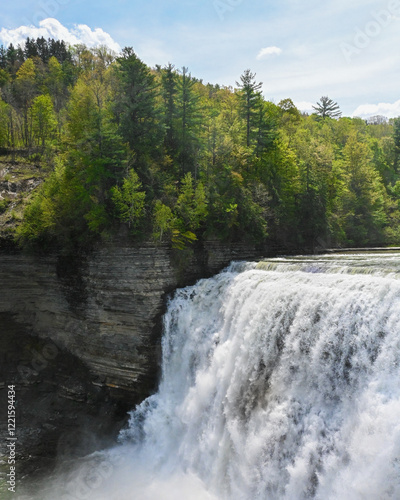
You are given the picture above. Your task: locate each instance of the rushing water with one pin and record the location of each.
(280, 380)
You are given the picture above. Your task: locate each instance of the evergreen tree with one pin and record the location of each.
(396, 138)
(12, 58)
(30, 49)
(327, 108)
(250, 98)
(3, 57)
(266, 128)
(169, 94)
(201, 159)
(136, 107)
(188, 112)
(42, 48)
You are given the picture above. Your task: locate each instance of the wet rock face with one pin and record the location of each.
(102, 309)
(80, 336)
(60, 408)
(106, 309)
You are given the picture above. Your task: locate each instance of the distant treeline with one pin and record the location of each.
(178, 159)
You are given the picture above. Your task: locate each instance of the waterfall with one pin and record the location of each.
(280, 380)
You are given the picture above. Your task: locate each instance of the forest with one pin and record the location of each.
(172, 158)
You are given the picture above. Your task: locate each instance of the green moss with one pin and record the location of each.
(4, 205)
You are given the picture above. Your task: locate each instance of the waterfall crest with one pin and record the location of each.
(280, 380)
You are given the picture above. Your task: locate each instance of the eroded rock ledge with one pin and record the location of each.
(98, 324)
(106, 308)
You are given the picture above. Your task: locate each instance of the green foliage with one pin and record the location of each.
(41, 216)
(180, 240)
(396, 139)
(287, 106)
(129, 201)
(191, 205)
(189, 215)
(4, 118)
(169, 94)
(365, 199)
(3, 205)
(164, 221)
(43, 118)
(249, 99)
(4, 78)
(180, 160)
(136, 107)
(188, 122)
(26, 89)
(327, 108)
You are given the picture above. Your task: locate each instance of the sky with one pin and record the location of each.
(344, 49)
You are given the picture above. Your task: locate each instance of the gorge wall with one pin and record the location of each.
(80, 335)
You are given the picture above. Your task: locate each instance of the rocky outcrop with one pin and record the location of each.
(60, 411)
(106, 308)
(81, 334)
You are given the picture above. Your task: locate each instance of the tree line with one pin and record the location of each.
(174, 158)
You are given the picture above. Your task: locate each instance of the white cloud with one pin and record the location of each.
(305, 106)
(51, 28)
(390, 110)
(153, 52)
(269, 51)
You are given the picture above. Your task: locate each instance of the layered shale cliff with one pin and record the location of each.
(85, 330)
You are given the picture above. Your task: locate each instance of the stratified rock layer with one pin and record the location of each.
(106, 308)
(81, 338)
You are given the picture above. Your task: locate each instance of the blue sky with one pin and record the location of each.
(346, 49)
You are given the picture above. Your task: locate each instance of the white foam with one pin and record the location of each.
(276, 385)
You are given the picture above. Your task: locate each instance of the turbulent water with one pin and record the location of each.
(281, 380)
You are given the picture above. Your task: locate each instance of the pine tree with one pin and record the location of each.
(169, 93)
(250, 96)
(136, 107)
(327, 108)
(30, 49)
(12, 57)
(59, 49)
(189, 120)
(42, 49)
(3, 57)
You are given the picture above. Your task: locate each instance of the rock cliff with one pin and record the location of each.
(101, 314)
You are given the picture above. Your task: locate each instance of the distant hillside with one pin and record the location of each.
(175, 159)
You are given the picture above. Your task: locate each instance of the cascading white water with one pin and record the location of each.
(280, 380)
